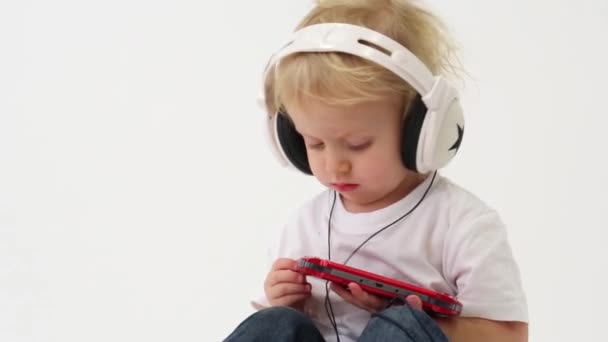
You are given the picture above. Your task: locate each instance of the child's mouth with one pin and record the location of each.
(344, 187)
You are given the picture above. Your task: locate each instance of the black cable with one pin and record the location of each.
(328, 306)
(330, 311)
(392, 223)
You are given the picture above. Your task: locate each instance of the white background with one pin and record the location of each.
(137, 192)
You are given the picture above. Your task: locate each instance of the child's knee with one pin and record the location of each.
(409, 323)
(283, 315)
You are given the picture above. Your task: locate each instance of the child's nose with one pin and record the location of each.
(339, 166)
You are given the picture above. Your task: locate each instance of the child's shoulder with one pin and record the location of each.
(466, 216)
(308, 214)
(316, 205)
(460, 201)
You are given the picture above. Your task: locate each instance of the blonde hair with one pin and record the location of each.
(343, 79)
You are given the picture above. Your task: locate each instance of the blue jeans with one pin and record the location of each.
(397, 323)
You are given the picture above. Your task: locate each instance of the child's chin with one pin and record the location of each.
(353, 198)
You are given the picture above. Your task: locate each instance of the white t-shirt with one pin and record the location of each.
(452, 243)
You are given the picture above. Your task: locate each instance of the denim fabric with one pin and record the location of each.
(276, 324)
(397, 323)
(402, 323)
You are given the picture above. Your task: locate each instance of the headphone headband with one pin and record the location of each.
(362, 42)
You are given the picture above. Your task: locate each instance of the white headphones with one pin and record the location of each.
(434, 126)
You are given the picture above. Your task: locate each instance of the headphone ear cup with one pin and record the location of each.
(441, 136)
(292, 144)
(412, 126)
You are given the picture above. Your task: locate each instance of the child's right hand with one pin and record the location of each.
(286, 287)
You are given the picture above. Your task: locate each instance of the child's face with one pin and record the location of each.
(355, 150)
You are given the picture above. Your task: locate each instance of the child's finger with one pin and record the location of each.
(369, 300)
(287, 289)
(346, 295)
(361, 300)
(284, 264)
(342, 292)
(414, 301)
(289, 300)
(284, 276)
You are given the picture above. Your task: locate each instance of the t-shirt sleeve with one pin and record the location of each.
(275, 247)
(479, 261)
(259, 300)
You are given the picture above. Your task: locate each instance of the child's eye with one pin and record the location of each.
(360, 147)
(315, 146)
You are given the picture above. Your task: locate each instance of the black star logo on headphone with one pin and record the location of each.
(456, 145)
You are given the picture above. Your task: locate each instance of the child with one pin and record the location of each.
(354, 101)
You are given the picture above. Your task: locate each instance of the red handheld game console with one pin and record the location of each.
(433, 302)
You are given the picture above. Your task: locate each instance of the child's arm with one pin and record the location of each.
(477, 329)
(469, 329)
(465, 329)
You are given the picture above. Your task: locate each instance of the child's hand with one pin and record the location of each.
(367, 301)
(355, 295)
(286, 287)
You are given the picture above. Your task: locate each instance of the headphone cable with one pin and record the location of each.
(328, 307)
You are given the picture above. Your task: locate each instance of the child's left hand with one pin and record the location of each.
(355, 295)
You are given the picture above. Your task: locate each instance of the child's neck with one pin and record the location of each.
(409, 183)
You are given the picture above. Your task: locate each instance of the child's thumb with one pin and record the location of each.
(414, 302)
